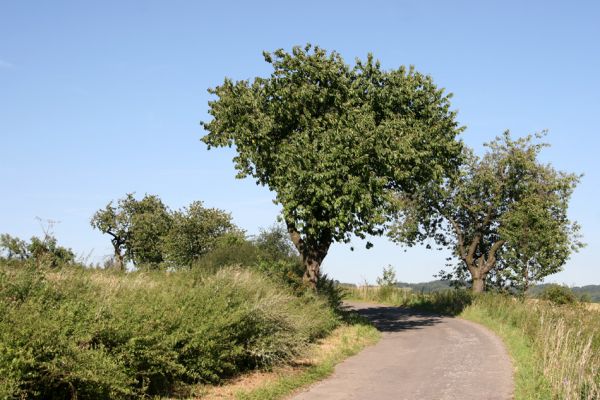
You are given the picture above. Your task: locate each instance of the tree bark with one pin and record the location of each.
(479, 268)
(119, 264)
(312, 266)
(478, 284)
(312, 252)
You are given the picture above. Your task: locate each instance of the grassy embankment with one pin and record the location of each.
(555, 349)
(90, 334)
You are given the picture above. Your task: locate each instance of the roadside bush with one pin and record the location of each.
(92, 334)
(558, 294)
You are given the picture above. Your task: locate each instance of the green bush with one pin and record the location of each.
(558, 294)
(91, 334)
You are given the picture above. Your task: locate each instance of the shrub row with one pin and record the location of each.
(77, 333)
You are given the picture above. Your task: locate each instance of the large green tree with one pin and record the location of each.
(333, 142)
(503, 215)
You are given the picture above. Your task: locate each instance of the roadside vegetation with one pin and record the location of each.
(554, 341)
(69, 330)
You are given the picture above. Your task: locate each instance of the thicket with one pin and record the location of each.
(81, 333)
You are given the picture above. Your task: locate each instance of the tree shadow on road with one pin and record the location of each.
(396, 319)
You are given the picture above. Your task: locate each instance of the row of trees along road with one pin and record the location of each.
(349, 150)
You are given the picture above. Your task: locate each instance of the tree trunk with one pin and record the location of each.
(478, 284)
(119, 263)
(480, 266)
(312, 252)
(312, 266)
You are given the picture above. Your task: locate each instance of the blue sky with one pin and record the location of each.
(98, 99)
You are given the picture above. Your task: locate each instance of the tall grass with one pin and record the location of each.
(91, 334)
(564, 339)
(450, 302)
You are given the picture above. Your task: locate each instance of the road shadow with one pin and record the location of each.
(396, 319)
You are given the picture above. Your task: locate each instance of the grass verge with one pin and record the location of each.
(555, 348)
(529, 384)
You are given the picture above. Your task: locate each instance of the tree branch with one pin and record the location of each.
(295, 236)
(491, 259)
(459, 236)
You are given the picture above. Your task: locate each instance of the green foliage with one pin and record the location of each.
(233, 248)
(13, 247)
(41, 252)
(504, 215)
(93, 334)
(331, 140)
(558, 294)
(194, 231)
(274, 243)
(150, 235)
(589, 292)
(149, 223)
(137, 229)
(388, 277)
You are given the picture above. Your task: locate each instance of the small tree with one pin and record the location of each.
(150, 223)
(13, 247)
(388, 277)
(194, 232)
(332, 142)
(113, 221)
(47, 251)
(503, 215)
(136, 227)
(44, 250)
(274, 244)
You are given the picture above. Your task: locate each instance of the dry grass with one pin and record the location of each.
(565, 341)
(570, 362)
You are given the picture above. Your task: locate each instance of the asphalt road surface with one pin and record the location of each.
(420, 356)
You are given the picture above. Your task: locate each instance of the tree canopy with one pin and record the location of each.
(146, 232)
(332, 141)
(194, 232)
(504, 215)
(44, 251)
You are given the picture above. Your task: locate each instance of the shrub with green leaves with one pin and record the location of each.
(91, 334)
(558, 294)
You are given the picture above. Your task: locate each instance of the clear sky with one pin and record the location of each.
(98, 99)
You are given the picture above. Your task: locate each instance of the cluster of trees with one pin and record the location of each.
(147, 233)
(43, 250)
(356, 151)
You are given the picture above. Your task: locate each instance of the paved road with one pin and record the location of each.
(421, 356)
